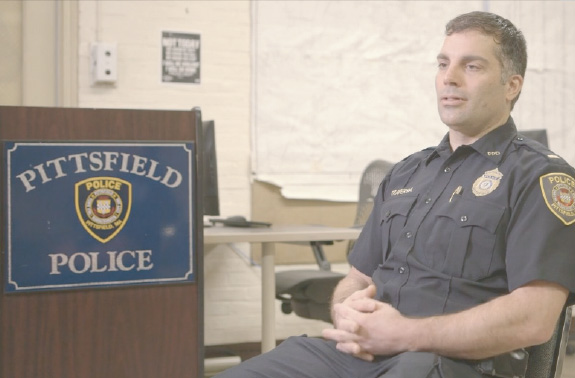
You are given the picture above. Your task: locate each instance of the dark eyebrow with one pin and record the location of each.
(471, 58)
(466, 58)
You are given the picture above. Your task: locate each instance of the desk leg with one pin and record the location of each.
(268, 297)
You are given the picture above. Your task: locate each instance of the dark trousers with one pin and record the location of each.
(303, 357)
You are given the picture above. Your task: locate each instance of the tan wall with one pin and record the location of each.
(269, 205)
(11, 57)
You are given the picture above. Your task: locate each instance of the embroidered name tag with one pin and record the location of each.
(559, 193)
(398, 192)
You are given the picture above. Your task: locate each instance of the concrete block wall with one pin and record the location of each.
(231, 288)
(224, 92)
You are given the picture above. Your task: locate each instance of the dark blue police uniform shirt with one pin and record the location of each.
(450, 230)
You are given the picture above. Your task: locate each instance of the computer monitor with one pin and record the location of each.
(540, 135)
(210, 169)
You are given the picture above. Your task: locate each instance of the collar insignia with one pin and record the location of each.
(559, 193)
(487, 182)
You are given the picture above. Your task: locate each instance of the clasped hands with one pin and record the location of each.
(365, 327)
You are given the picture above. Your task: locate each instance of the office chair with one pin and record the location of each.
(546, 360)
(308, 292)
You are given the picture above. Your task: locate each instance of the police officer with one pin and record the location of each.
(467, 257)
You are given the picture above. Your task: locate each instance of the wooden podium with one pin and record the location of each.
(139, 331)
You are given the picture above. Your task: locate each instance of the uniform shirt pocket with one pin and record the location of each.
(394, 213)
(471, 226)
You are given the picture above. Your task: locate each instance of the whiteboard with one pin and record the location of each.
(338, 85)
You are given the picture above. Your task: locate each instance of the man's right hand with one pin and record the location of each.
(357, 302)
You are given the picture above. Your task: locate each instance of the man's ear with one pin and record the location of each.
(514, 85)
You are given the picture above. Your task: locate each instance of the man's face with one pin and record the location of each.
(470, 96)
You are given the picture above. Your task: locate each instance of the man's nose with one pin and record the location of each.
(451, 76)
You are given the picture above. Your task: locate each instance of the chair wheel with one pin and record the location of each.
(286, 308)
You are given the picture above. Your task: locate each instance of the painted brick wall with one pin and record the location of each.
(231, 289)
(224, 93)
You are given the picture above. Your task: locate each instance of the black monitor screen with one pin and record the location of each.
(210, 169)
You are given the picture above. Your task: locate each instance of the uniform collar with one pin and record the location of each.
(491, 145)
(494, 144)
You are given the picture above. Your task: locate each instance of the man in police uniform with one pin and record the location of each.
(467, 257)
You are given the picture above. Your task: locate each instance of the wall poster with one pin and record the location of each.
(97, 214)
(181, 57)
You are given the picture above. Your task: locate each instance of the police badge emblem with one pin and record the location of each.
(559, 193)
(487, 182)
(103, 206)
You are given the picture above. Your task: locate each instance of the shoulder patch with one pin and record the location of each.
(558, 190)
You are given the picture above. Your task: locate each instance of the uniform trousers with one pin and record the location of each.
(307, 357)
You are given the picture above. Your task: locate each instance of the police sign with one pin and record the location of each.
(98, 214)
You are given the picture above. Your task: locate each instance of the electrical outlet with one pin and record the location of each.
(104, 63)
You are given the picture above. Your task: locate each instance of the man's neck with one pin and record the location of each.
(462, 136)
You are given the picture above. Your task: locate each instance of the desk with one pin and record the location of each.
(268, 236)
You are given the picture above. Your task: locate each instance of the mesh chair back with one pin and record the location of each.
(370, 180)
(546, 360)
(371, 177)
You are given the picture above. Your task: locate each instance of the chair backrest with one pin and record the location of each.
(546, 360)
(540, 135)
(371, 177)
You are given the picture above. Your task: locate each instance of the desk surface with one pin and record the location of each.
(278, 234)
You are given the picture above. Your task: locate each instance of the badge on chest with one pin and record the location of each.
(487, 182)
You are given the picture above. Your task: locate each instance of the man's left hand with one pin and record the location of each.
(366, 327)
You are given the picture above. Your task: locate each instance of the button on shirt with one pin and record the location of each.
(450, 230)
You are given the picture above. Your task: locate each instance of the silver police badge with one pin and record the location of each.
(103, 206)
(487, 182)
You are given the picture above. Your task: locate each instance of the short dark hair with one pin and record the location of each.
(512, 52)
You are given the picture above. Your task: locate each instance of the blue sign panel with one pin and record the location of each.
(98, 214)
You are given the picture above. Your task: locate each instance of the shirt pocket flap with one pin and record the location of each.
(397, 206)
(470, 212)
